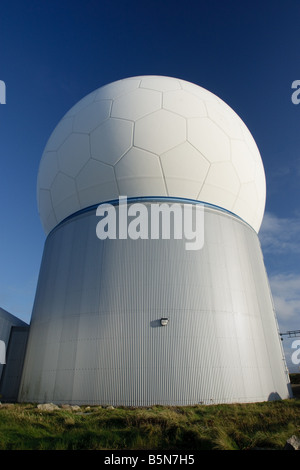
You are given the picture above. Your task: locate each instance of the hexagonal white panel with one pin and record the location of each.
(151, 135)
(213, 195)
(96, 183)
(225, 118)
(64, 196)
(45, 201)
(90, 117)
(116, 89)
(82, 104)
(159, 131)
(250, 142)
(260, 183)
(206, 136)
(184, 104)
(136, 104)
(242, 161)
(48, 170)
(185, 170)
(224, 175)
(139, 172)
(73, 154)
(247, 202)
(160, 83)
(111, 140)
(224, 178)
(198, 91)
(60, 134)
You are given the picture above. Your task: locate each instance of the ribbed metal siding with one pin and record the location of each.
(11, 377)
(96, 338)
(7, 321)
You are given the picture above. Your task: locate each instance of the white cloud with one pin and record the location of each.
(280, 241)
(286, 295)
(280, 235)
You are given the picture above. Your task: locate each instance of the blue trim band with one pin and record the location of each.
(115, 202)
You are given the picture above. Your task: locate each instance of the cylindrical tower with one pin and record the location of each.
(128, 313)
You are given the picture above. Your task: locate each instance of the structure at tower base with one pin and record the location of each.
(13, 339)
(128, 313)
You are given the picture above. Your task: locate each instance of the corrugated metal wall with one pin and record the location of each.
(7, 321)
(95, 335)
(11, 377)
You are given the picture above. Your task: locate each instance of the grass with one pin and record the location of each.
(214, 427)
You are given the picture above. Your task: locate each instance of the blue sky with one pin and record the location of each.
(53, 53)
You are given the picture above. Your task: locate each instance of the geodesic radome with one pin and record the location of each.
(150, 136)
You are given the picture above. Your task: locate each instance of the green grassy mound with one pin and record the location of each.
(214, 427)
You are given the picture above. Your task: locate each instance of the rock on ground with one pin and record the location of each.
(48, 407)
(293, 443)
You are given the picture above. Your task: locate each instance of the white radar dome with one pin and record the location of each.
(150, 136)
